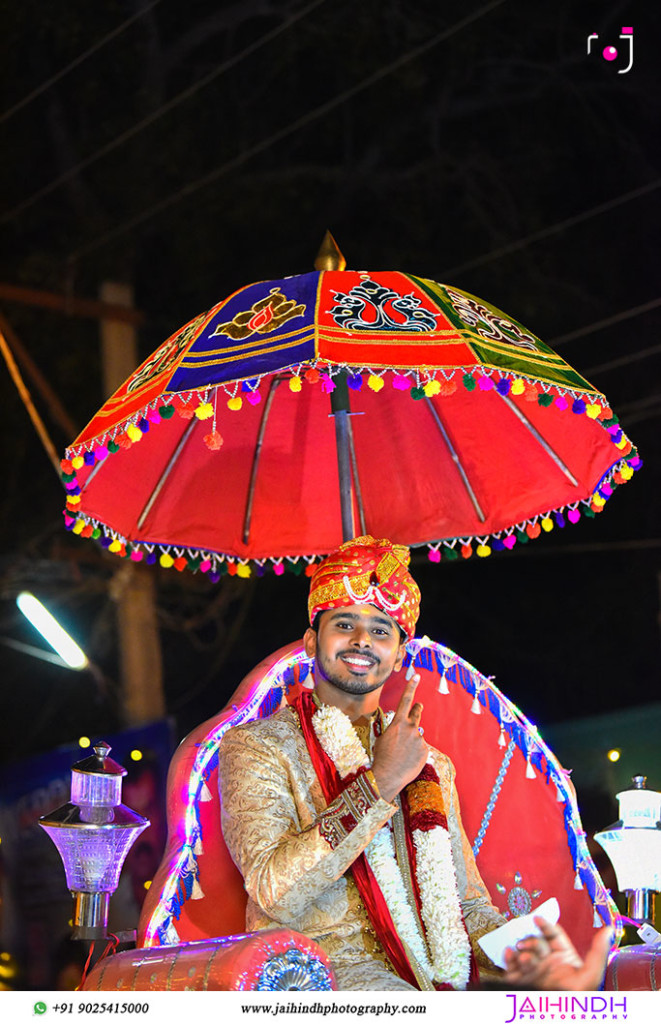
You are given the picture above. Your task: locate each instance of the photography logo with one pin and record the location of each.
(610, 53)
(584, 1006)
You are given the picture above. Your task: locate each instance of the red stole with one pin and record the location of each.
(370, 893)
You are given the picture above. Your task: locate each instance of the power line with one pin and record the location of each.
(644, 414)
(26, 398)
(613, 364)
(536, 236)
(281, 134)
(75, 63)
(642, 405)
(552, 551)
(165, 108)
(633, 357)
(617, 318)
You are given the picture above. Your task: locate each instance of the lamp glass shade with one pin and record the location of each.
(640, 808)
(636, 856)
(93, 851)
(96, 790)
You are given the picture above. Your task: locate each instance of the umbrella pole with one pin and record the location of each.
(356, 480)
(340, 410)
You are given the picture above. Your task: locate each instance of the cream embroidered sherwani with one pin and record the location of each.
(294, 851)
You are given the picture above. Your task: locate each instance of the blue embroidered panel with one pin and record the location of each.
(261, 329)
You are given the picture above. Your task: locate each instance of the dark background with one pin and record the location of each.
(207, 145)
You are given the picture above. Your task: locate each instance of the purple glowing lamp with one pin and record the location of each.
(93, 835)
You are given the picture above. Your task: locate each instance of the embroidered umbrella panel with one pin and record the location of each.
(467, 433)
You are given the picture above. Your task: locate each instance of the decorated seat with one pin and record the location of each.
(519, 808)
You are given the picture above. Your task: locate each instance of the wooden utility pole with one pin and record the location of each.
(133, 588)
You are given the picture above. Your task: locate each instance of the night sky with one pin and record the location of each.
(208, 145)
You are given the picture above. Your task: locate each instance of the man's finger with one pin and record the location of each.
(406, 700)
(548, 930)
(513, 967)
(415, 714)
(558, 939)
(532, 944)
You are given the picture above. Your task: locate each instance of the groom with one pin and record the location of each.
(345, 823)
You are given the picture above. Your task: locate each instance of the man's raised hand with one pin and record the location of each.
(400, 752)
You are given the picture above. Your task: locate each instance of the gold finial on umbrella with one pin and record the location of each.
(329, 256)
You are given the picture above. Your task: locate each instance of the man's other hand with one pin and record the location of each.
(551, 962)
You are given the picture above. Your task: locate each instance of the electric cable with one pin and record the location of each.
(139, 126)
(87, 964)
(639, 409)
(536, 236)
(633, 357)
(283, 133)
(45, 86)
(26, 398)
(626, 314)
(628, 546)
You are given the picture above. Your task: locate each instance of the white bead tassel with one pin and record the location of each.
(530, 771)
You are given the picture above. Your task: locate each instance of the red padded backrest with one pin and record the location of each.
(522, 834)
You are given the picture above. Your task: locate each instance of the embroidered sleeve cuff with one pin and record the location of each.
(356, 799)
(369, 775)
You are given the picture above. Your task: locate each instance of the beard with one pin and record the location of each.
(347, 683)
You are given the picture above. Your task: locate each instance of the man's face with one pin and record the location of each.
(356, 648)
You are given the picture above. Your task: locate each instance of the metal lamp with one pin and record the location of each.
(634, 846)
(93, 835)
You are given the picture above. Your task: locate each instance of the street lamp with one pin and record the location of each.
(51, 630)
(634, 846)
(93, 835)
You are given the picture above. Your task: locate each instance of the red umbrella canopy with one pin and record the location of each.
(463, 430)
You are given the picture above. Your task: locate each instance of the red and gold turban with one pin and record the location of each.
(367, 571)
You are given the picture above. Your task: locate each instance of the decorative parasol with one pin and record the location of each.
(299, 412)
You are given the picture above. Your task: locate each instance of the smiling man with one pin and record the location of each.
(325, 802)
(344, 822)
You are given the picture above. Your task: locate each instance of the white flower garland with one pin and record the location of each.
(437, 881)
(381, 858)
(441, 911)
(340, 744)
